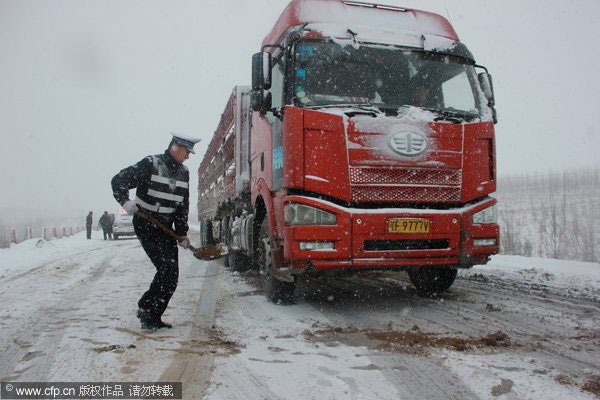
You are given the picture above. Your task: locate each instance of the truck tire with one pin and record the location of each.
(226, 262)
(238, 262)
(206, 237)
(279, 292)
(432, 280)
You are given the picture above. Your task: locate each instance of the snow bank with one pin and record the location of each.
(570, 278)
(33, 252)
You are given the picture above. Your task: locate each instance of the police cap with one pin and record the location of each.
(185, 141)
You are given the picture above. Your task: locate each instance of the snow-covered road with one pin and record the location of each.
(518, 328)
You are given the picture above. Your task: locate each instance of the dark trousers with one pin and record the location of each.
(88, 228)
(162, 251)
(106, 233)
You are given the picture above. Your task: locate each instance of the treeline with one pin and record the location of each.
(552, 215)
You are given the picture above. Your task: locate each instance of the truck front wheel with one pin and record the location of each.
(432, 280)
(275, 290)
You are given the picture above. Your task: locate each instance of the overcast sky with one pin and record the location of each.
(90, 87)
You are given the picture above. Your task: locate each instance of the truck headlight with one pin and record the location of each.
(301, 214)
(317, 246)
(485, 242)
(486, 216)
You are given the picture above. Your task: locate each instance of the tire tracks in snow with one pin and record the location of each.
(30, 354)
(44, 265)
(548, 325)
(193, 364)
(244, 382)
(411, 375)
(541, 326)
(194, 368)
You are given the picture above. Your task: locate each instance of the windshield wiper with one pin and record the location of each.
(451, 116)
(364, 109)
(389, 109)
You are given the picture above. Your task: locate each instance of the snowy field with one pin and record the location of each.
(552, 215)
(518, 328)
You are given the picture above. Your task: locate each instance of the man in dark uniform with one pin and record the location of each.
(106, 224)
(162, 183)
(89, 220)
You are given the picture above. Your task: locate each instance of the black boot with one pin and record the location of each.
(161, 324)
(150, 321)
(146, 319)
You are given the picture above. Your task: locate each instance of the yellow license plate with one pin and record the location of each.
(408, 225)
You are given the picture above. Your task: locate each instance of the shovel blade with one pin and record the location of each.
(210, 252)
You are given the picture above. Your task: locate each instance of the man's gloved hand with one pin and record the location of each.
(185, 243)
(131, 207)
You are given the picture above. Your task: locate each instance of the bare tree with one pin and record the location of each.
(551, 214)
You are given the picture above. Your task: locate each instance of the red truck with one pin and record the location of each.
(366, 141)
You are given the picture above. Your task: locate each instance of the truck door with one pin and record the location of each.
(277, 85)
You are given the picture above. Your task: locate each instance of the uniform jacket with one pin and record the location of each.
(162, 189)
(88, 220)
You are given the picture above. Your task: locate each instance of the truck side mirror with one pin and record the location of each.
(485, 81)
(256, 100)
(261, 70)
(260, 100)
(261, 82)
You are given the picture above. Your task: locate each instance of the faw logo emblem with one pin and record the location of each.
(408, 143)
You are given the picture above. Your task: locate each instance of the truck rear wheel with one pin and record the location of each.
(237, 262)
(431, 280)
(275, 290)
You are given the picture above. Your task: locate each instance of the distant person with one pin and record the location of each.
(106, 224)
(162, 183)
(112, 222)
(89, 220)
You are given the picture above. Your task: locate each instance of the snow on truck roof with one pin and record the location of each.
(335, 17)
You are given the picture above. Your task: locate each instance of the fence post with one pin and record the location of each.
(45, 234)
(71, 231)
(54, 233)
(29, 233)
(64, 231)
(13, 235)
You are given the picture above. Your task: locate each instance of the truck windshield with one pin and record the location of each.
(383, 76)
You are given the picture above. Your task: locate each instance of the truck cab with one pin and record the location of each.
(369, 145)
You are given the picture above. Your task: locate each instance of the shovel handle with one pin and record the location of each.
(144, 214)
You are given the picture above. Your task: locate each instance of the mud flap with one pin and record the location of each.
(465, 259)
(282, 269)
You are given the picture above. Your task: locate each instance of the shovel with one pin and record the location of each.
(208, 252)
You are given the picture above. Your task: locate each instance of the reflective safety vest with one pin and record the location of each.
(166, 189)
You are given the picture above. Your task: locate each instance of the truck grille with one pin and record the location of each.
(385, 184)
(391, 193)
(404, 176)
